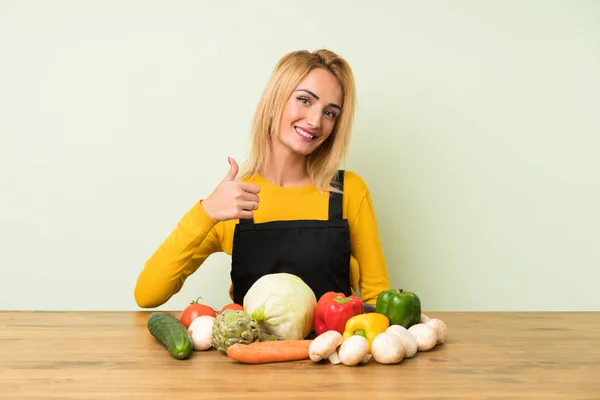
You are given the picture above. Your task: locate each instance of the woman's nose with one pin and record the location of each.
(314, 118)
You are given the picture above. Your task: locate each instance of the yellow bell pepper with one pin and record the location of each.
(367, 325)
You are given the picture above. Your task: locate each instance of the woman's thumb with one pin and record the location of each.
(233, 171)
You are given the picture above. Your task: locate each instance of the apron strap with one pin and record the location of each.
(247, 222)
(335, 199)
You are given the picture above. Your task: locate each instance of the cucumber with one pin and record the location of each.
(171, 333)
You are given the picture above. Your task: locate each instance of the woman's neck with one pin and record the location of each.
(286, 168)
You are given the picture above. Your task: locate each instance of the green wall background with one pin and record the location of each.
(477, 131)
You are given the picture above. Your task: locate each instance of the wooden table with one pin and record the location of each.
(111, 355)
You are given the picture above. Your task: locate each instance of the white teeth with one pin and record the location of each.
(306, 135)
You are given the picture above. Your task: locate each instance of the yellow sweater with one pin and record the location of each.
(197, 236)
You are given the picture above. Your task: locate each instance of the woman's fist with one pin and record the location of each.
(232, 199)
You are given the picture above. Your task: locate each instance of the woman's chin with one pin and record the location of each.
(297, 146)
(303, 151)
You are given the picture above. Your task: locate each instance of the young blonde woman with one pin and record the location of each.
(290, 209)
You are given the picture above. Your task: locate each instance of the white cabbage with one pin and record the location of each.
(283, 305)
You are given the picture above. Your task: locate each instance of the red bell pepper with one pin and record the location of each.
(334, 310)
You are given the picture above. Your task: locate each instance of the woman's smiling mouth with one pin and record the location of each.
(305, 134)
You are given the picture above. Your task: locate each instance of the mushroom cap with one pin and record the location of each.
(425, 336)
(387, 348)
(324, 345)
(353, 350)
(440, 328)
(408, 340)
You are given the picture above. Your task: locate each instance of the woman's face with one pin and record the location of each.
(311, 112)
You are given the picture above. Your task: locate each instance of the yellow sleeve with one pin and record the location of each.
(366, 248)
(195, 237)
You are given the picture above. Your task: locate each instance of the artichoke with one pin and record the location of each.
(236, 326)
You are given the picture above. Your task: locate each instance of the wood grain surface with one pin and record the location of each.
(111, 355)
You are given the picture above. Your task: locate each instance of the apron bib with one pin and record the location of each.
(316, 251)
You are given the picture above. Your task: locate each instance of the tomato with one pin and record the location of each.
(232, 306)
(195, 310)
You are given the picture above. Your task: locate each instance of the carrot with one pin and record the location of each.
(269, 351)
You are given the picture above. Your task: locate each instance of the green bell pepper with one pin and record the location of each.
(401, 308)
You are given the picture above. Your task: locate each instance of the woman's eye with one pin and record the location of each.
(330, 114)
(304, 100)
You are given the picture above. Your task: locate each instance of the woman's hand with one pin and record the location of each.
(232, 199)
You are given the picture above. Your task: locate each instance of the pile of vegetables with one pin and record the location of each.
(395, 330)
(191, 331)
(384, 343)
(280, 312)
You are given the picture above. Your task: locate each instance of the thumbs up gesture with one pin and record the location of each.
(232, 199)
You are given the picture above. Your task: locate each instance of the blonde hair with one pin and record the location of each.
(292, 68)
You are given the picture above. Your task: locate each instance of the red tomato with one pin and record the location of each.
(232, 306)
(195, 310)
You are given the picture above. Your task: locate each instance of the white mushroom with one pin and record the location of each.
(387, 348)
(200, 331)
(353, 350)
(424, 318)
(425, 336)
(441, 331)
(334, 358)
(408, 340)
(324, 345)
